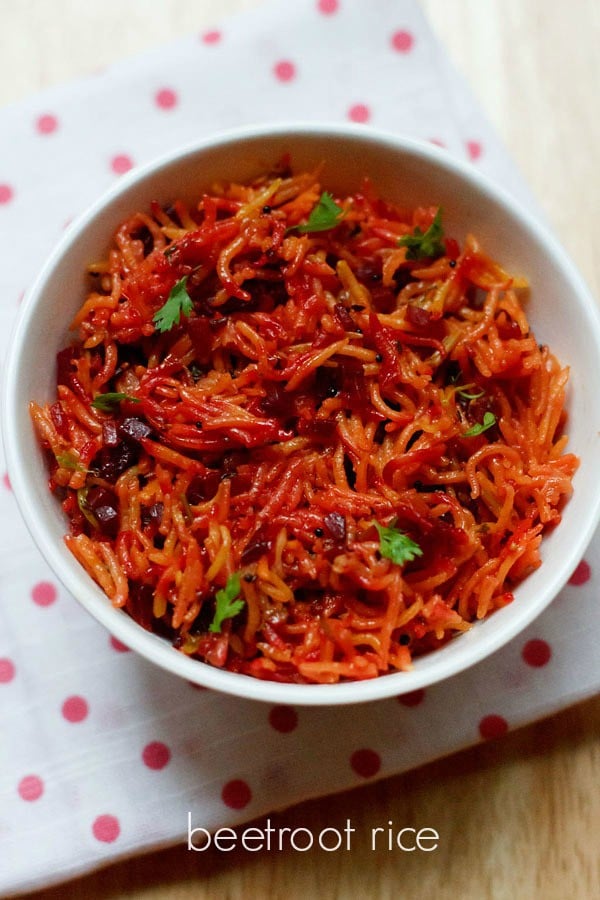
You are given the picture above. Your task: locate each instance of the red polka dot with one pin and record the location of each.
(6, 482)
(30, 788)
(492, 727)
(211, 37)
(328, 7)
(283, 718)
(6, 193)
(75, 709)
(581, 574)
(121, 164)
(7, 670)
(118, 645)
(413, 698)
(474, 149)
(46, 124)
(166, 98)
(437, 142)
(43, 593)
(156, 755)
(402, 41)
(284, 70)
(537, 653)
(236, 794)
(365, 763)
(359, 113)
(106, 829)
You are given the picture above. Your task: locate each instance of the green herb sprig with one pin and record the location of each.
(107, 402)
(425, 245)
(228, 603)
(179, 303)
(325, 215)
(395, 545)
(489, 419)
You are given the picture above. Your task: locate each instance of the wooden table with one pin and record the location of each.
(518, 818)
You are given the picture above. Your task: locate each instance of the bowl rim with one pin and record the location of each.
(156, 649)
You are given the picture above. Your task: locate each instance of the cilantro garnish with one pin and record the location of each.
(68, 461)
(425, 245)
(179, 304)
(228, 603)
(326, 214)
(106, 402)
(489, 419)
(395, 545)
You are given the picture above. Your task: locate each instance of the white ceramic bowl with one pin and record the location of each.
(561, 310)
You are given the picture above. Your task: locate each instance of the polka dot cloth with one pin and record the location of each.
(30, 788)
(165, 98)
(7, 671)
(284, 70)
(114, 749)
(118, 645)
(537, 653)
(75, 709)
(328, 7)
(492, 726)
(44, 593)
(402, 41)
(106, 829)
(46, 124)
(283, 719)
(6, 193)
(365, 762)
(582, 574)
(359, 112)
(474, 149)
(121, 163)
(236, 794)
(156, 755)
(413, 698)
(211, 37)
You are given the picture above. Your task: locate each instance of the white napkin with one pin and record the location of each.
(101, 754)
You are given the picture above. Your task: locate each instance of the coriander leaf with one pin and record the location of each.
(489, 419)
(326, 214)
(179, 303)
(427, 245)
(397, 546)
(106, 402)
(228, 603)
(68, 461)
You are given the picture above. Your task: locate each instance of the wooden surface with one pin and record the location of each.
(518, 818)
